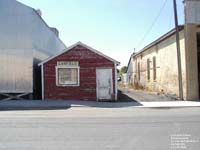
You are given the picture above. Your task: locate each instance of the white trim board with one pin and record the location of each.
(42, 76)
(81, 44)
(111, 83)
(116, 86)
(68, 85)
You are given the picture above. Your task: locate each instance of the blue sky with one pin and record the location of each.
(114, 27)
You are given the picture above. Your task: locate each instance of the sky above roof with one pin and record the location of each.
(114, 27)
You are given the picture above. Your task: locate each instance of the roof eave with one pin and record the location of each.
(160, 39)
(84, 45)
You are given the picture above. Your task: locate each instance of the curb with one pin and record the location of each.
(171, 104)
(45, 105)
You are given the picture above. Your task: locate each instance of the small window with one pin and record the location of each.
(138, 71)
(148, 69)
(67, 76)
(154, 68)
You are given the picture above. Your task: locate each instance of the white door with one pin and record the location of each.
(104, 84)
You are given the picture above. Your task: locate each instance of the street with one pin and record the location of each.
(90, 128)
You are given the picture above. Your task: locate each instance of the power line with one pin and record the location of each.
(171, 20)
(152, 25)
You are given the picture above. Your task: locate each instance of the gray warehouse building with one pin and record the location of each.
(25, 40)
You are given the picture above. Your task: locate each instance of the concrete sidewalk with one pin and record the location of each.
(65, 104)
(170, 104)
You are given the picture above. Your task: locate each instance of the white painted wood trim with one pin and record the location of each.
(67, 85)
(116, 87)
(42, 77)
(97, 87)
(112, 89)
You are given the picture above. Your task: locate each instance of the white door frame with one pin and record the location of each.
(99, 68)
(115, 80)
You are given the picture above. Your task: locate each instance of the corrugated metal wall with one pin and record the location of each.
(192, 11)
(25, 40)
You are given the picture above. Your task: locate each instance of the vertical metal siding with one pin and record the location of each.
(25, 40)
(192, 11)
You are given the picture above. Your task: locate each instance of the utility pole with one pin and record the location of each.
(178, 53)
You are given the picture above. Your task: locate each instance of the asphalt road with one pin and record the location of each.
(101, 129)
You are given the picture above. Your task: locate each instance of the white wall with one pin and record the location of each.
(166, 66)
(129, 73)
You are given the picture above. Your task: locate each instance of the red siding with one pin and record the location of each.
(88, 62)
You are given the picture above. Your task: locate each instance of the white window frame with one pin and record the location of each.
(67, 67)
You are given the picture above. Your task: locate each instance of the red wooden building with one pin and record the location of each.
(79, 73)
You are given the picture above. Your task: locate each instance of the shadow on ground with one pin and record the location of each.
(124, 98)
(119, 104)
(61, 104)
(19, 108)
(123, 101)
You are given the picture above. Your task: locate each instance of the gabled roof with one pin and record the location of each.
(84, 45)
(160, 39)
